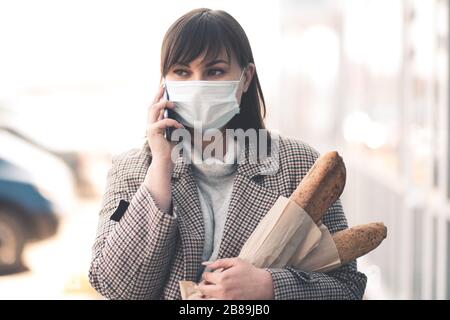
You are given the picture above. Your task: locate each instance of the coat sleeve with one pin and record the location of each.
(130, 257)
(342, 283)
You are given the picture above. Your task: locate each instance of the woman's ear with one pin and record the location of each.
(249, 73)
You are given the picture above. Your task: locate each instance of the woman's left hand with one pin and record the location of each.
(239, 280)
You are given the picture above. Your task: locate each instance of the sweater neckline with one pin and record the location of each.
(212, 167)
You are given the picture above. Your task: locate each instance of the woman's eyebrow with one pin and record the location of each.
(211, 63)
(181, 64)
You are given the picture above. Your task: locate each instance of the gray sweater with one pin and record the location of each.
(214, 178)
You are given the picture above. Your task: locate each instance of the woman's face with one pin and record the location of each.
(218, 69)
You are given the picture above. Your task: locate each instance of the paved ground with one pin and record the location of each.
(57, 267)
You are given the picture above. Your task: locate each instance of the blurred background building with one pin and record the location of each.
(367, 78)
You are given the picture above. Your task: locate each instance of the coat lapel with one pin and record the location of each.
(250, 201)
(249, 204)
(186, 206)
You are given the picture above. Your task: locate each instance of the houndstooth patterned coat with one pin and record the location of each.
(146, 252)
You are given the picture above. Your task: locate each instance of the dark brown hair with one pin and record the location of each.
(208, 32)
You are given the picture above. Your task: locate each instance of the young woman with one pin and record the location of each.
(162, 215)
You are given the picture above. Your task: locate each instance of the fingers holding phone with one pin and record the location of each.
(158, 122)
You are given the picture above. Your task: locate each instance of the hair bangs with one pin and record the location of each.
(202, 36)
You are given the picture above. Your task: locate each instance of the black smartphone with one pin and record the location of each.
(168, 114)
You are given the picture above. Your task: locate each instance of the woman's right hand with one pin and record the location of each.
(156, 124)
(158, 177)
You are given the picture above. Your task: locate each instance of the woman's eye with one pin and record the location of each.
(215, 72)
(181, 72)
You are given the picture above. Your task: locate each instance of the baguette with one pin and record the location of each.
(357, 241)
(322, 185)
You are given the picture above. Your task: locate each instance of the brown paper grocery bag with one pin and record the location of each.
(324, 257)
(284, 230)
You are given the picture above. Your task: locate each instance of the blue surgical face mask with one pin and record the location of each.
(212, 103)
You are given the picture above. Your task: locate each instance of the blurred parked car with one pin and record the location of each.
(25, 214)
(36, 189)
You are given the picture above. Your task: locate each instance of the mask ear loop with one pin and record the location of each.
(242, 74)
